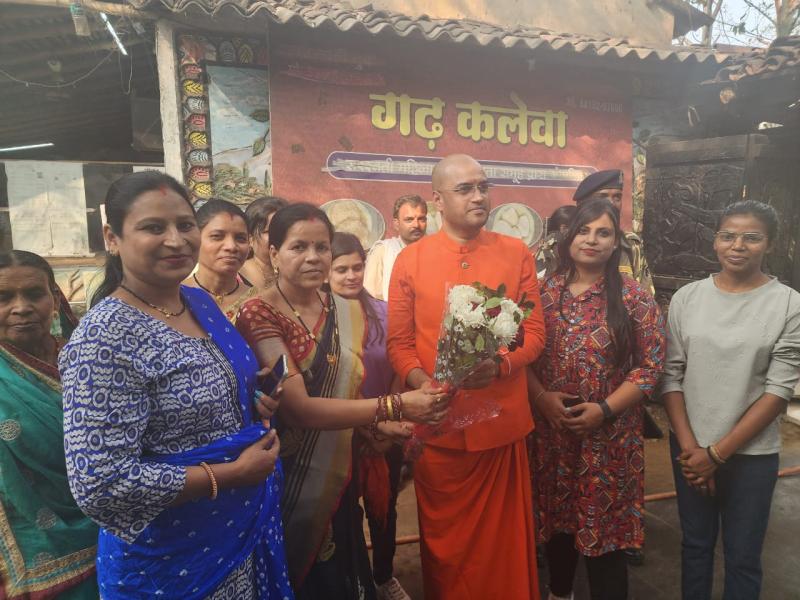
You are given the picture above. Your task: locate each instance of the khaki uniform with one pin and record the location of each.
(547, 257)
(633, 263)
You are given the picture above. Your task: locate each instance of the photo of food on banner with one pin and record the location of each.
(478, 323)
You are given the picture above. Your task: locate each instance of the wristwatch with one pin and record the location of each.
(608, 415)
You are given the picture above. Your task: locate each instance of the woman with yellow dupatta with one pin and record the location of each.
(47, 546)
(323, 336)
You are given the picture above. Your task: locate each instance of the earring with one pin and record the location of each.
(276, 271)
(113, 253)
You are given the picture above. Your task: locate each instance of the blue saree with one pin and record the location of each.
(188, 551)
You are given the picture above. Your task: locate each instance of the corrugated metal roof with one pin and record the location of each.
(346, 18)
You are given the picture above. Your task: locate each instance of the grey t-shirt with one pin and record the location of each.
(725, 350)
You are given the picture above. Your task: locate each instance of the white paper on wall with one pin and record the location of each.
(47, 208)
(139, 168)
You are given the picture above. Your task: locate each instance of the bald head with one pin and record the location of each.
(451, 167)
(461, 194)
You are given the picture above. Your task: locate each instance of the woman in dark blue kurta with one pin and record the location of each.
(146, 404)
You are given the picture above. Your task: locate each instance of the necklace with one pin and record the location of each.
(331, 356)
(267, 271)
(218, 298)
(167, 314)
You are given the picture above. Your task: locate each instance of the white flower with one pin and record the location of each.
(504, 328)
(462, 297)
(510, 307)
(471, 317)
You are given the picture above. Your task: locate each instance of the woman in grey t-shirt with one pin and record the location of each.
(733, 360)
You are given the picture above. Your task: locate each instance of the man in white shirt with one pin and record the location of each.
(410, 220)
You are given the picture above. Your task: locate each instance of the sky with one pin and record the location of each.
(734, 12)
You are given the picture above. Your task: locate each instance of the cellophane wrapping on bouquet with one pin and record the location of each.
(478, 321)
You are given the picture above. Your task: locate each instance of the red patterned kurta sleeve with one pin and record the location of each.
(649, 336)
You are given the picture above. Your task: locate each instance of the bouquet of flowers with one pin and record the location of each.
(478, 322)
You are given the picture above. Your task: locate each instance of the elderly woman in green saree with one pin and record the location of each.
(47, 546)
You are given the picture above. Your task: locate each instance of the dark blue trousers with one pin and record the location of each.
(740, 509)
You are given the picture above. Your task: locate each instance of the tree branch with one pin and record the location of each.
(760, 10)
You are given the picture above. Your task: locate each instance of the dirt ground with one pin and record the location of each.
(659, 577)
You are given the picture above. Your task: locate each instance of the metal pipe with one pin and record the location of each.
(113, 33)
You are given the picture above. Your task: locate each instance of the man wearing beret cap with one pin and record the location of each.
(608, 185)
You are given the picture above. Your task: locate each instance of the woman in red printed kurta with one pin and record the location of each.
(587, 449)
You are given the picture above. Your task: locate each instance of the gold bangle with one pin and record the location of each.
(389, 408)
(539, 395)
(210, 473)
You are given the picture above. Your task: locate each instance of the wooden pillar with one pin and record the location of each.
(168, 83)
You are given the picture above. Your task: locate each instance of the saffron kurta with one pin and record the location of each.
(473, 491)
(593, 486)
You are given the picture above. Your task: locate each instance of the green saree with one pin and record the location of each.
(47, 546)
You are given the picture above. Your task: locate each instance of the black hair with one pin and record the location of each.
(294, 213)
(258, 212)
(214, 207)
(763, 212)
(411, 199)
(120, 197)
(344, 244)
(617, 317)
(561, 216)
(23, 258)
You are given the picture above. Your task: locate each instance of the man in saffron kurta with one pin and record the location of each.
(473, 486)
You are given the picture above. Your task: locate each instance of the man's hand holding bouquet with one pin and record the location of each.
(480, 325)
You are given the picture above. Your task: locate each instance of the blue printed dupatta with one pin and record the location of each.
(189, 550)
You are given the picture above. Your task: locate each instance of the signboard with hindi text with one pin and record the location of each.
(369, 123)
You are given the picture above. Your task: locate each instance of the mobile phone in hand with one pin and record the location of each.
(573, 389)
(278, 374)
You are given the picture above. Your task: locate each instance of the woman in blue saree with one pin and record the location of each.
(163, 450)
(47, 546)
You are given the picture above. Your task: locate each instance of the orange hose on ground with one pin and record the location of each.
(661, 496)
(414, 539)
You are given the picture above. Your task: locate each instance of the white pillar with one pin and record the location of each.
(169, 86)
